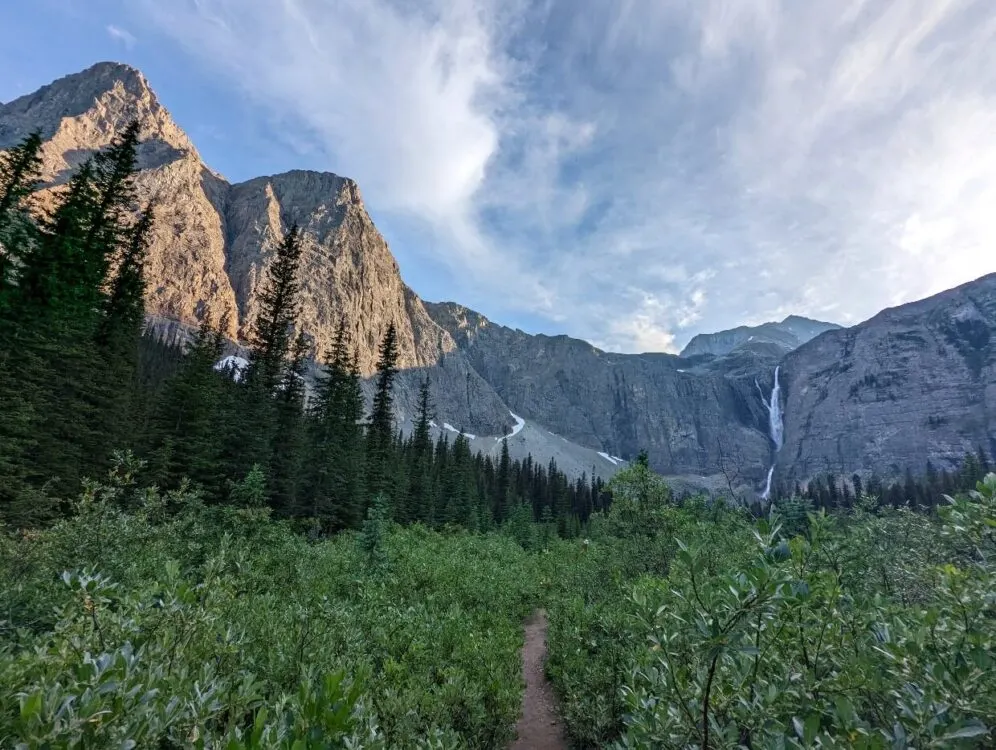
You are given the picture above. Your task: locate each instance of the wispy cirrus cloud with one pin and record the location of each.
(636, 172)
(121, 35)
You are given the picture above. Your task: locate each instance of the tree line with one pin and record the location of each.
(80, 381)
(924, 492)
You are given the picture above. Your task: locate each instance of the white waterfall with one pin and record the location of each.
(776, 424)
(775, 414)
(767, 487)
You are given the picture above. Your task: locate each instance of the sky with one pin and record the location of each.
(630, 172)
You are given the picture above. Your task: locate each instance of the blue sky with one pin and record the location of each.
(631, 172)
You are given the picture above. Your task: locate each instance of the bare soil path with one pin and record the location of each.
(539, 727)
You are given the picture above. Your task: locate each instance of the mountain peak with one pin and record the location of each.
(82, 112)
(789, 334)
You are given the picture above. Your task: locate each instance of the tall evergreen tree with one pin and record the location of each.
(287, 461)
(421, 493)
(186, 425)
(380, 433)
(334, 463)
(279, 308)
(51, 319)
(19, 171)
(501, 501)
(118, 336)
(253, 426)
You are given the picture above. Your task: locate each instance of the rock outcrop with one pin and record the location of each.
(914, 383)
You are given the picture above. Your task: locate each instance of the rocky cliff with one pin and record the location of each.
(80, 114)
(213, 240)
(914, 383)
(692, 423)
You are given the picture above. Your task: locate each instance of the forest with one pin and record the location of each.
(237, 559)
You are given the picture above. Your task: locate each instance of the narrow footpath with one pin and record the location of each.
(539, 727)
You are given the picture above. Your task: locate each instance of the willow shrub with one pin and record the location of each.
(152, 621)
(862, 631)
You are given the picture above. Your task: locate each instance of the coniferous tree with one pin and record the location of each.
(187, 419)
(443, 508)
(380, 433)
(118, 337)
(459, 487)
(420, 485)
(279, 308)
(971, 472)
(252, 428)
(983, 461)
(335, 448)
(52, 316)
(287, 461)
(19, 171)
(500, 504)
(833, 492)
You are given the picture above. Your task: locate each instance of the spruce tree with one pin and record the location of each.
(335, 458)
(186, 434)
(279, 307)
(380, 433)
(19, 171)
(253, 426)
(289, 445)
(118, 336)
(51, 317)
(459, 487)
(500, 504)
(420, 485)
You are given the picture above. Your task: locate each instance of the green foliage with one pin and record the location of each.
(182, 625)
(374, 531)
(853, 631)
(251, 491)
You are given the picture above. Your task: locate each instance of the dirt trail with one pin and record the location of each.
(539, 727)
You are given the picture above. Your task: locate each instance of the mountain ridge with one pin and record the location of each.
(700, 415)
(788, 334)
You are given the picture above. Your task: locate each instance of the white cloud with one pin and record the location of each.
(122, 35)
(636, 172)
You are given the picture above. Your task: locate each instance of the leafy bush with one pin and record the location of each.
(863, 631)
(179, 625)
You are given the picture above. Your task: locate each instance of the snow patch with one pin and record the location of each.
(451, 428)
(233, 364)
(611, 459)
(519, 424)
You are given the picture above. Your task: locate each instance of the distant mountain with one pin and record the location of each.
(913, 384)
(789, 334)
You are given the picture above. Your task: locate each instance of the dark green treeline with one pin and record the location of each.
(79, 381)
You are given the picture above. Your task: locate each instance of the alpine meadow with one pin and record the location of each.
(254, 493)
